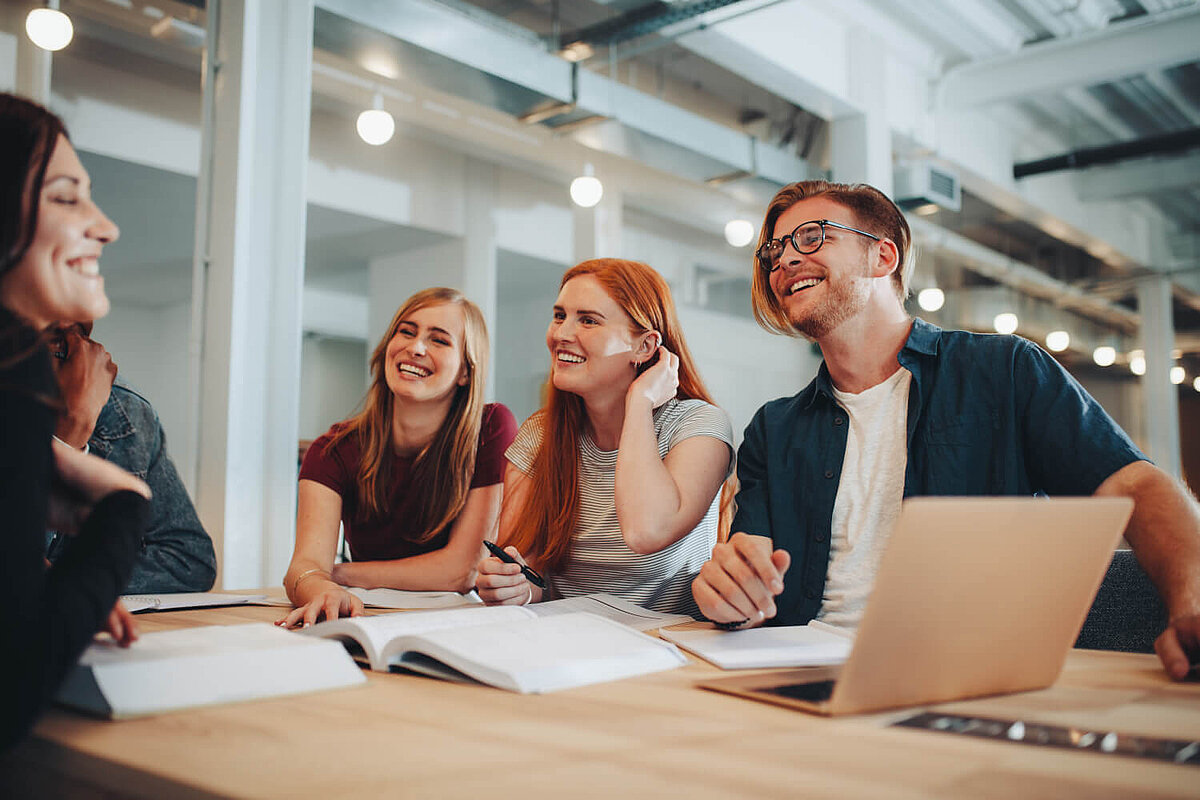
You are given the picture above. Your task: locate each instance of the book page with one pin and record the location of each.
(170, 602)
(790, 646)
(545, 654)
(610, 607)
(397, 598)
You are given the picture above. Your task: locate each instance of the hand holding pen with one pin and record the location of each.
(505, 578)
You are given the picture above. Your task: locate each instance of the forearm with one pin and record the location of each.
(647, 499)
(447, 569)
(1164, 533)
(73, 430)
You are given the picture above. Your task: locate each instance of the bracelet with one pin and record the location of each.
(528, 597)
(86, 447)
(305, 574)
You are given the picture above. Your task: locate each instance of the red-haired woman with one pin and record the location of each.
(613, 485)
(415, 478)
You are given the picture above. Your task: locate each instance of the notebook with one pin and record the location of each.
(812, 645)
(974, 596)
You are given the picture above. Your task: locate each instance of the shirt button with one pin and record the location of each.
(828, 473)
(820, 537)
(838, 420)
(811, 593)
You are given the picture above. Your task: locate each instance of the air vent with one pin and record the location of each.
(924, 188)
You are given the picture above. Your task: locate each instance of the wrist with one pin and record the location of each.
(638, 403)
(84, 448)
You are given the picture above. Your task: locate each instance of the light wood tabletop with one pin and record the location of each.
(653, 736)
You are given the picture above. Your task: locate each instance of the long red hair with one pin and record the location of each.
(544, 527)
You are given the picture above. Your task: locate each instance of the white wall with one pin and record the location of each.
(333, 382)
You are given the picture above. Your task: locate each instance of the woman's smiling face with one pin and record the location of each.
(58, 278)
(591, 340)
(424, 360)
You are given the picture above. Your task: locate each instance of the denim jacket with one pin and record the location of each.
(176, 553)
(987, 415)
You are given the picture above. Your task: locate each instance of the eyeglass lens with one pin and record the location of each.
(806, 239)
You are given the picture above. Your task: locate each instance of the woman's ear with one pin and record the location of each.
(647, 347)
(464, 374)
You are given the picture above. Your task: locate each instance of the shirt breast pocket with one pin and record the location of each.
(961, 456)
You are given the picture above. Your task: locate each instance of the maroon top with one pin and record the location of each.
(391, 537)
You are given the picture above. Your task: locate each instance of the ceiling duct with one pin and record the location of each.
(921, 184)
(642, 21)
(1107, 154)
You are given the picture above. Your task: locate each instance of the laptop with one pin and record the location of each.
(974, 596)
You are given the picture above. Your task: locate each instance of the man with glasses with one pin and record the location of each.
(898, 408)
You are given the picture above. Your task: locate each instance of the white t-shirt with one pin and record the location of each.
(869, 495)
(599, 560)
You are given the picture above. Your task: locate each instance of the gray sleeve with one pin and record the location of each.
(699, 418)
(524, 449)
(176, 553)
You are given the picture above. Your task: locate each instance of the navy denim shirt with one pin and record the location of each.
(176, 553)
(987, 415)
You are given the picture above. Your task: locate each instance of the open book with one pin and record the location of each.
(509, 647)
(404, 598)
(813, 645)
(177, 600)
(203, 666)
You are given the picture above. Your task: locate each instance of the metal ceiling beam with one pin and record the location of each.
(1107, 154)
(1121, 50)
(1133, 178)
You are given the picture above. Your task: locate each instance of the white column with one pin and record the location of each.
(250, 268)
(24, 67)
(1161, 396)
(8, 62)
(862, 141)
(598, 229)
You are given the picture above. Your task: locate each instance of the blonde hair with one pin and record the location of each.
(443, 470)
(550, 514)
(873, 211)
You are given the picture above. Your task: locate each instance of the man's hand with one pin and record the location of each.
(741, 580)
(85, 374)
(1178, 647)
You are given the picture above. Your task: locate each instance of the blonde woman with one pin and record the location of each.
(415, 478)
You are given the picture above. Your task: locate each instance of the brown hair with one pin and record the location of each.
(551, 511)
(443, 470)
(873, 211)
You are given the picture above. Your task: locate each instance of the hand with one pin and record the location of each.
(86, 376)
(741, 580)
(81, 481)
(660, 382)
(121, 625)
(1178, 647)
(500, 583)
(330, 601)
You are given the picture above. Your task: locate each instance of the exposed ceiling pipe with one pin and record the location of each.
(1106, 154)
(578, 45)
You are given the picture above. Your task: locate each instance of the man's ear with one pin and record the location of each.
(888, 261)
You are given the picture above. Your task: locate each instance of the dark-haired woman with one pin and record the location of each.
(51, 237)
(416, 478)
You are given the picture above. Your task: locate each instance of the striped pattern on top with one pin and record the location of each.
(600, 561)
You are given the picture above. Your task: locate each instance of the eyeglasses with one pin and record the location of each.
(807, 238)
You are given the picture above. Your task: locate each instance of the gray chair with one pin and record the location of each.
(1127, 614)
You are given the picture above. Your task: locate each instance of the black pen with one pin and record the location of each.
(529, 572)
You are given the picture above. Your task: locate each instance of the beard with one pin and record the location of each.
(844, 298)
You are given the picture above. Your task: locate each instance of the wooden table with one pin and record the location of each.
(654, 736)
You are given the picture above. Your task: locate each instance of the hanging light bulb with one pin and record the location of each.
(1104, 355)
(586, 190)
(376, 126)
(1137, 362)
(49, 28)
(1178, 375)
(1057, 341)
(1005, 323)
(739, 232)
(1196, 383)
(931, 299)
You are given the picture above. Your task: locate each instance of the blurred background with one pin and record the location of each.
(286, 172)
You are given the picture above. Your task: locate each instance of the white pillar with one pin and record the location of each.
(8, 62)
(598, 229)
(862, 141)
(1161, 396)
(24, 67)
(251, 236)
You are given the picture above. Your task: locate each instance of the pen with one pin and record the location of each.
(529, 572)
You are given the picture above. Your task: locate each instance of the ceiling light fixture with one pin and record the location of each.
(1178, 375)
(376, 126)
(1104, 355)
(1137, 363)
(586, 190)
(49, 28)
(1006, 322)
(1057, 341)
(931, 299)
(739, 232)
